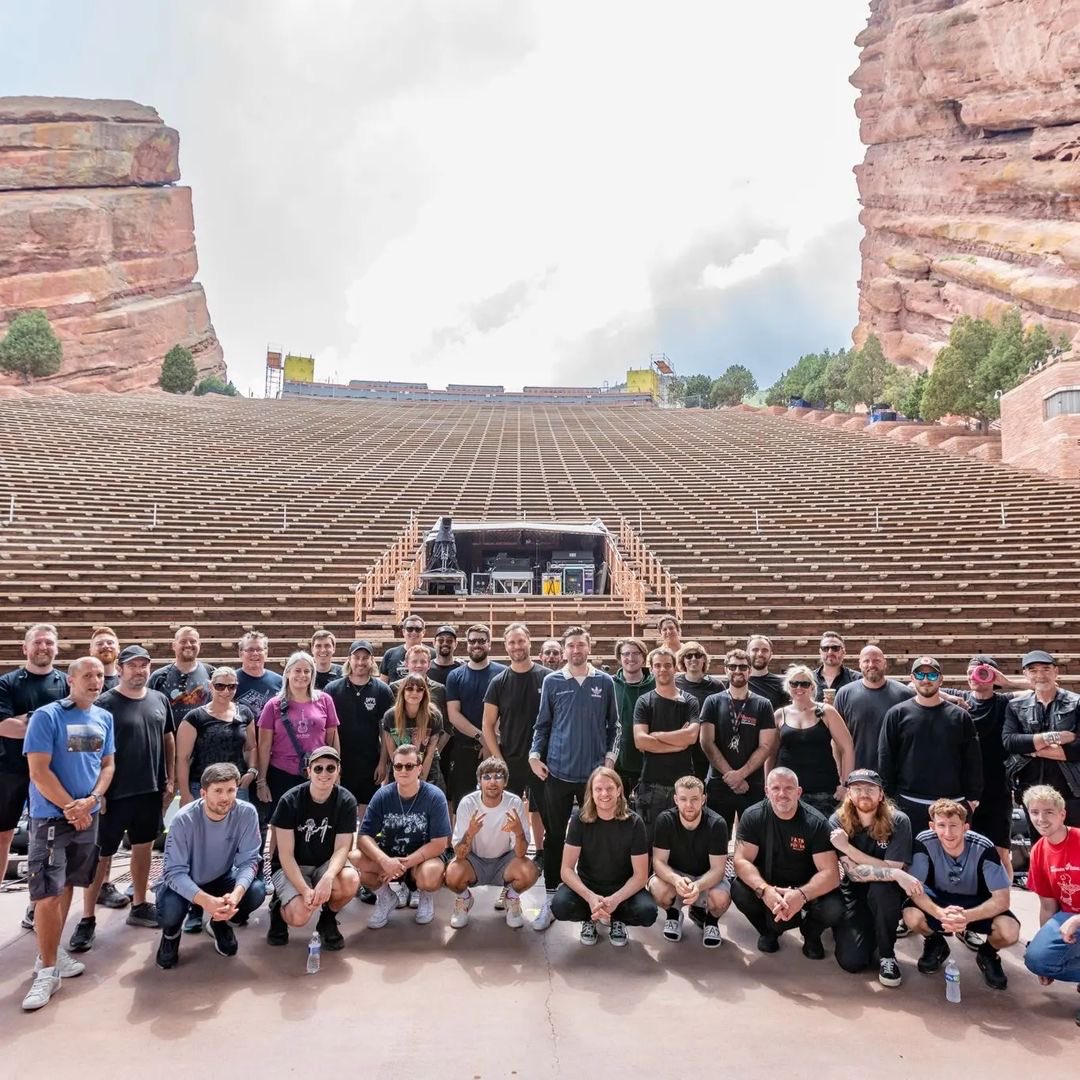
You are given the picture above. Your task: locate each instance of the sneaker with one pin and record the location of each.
(990, 965)
(935, 950)
(425, 907)
(812, 948)
(46, 983)
(144, 914)
(697, 916)
(66, 966)
(224, 938)
(544, 917)
(366, 895)
(27, 923)
(414, 898)
(111, 897)
(902, 930)
(168, 952)
(82, 940)
(768, 943)
(500, 900)
(462, 907)
(193, 923)
(513, 913)
(385, 902)
(588, 932)
(618, 935)
(888, 972)
(332, 938)
(538, 858)
(972, 940)
(278, 934)
(711, 937)
(240, 919)
(401, 893)
(673, 927)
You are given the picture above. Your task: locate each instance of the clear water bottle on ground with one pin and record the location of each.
(952, 982)
(314, 955)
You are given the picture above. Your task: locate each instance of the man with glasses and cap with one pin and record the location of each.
(393, 666)
(831, 674)
(692, 662)
(313, 825)
(928, 749)
(443, 661)
(1040, 734)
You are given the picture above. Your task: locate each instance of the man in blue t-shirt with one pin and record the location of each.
(255, 686)
(69, 749)
(405, 830)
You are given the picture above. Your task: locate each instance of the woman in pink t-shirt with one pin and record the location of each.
(292, 724)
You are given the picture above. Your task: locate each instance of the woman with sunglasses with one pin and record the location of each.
(213, 734)
(416, 721)
(815, 743)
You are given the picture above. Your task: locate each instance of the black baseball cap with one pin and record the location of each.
(865, 776)
(446, 628)
(364, 644)
(1036, 656)
(925, 661)
(133, 652)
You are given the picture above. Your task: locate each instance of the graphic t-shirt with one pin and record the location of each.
(896, 849)
(315, 826)
(606, 849)
(360, 711)
(324, 678)
(1055, 870)
(491, 841)
(255, 692)
(400, 826)
(665, 714)
(689, 849)
(139, 729)
(186, 690)
(738, 723)
(863, 709)
(218, 741)
(516, 694)
(428, 744)
(310, 720)
(21, 692)
(794, 842)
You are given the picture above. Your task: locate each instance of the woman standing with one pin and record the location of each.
(815, 743)
(414, 720)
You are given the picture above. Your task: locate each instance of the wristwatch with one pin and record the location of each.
(252, 771)
(100, 800)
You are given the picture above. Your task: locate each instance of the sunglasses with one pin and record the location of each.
(491, 777)
(830, 648)
(405, 766)
(414, 689)
(318, 770)
(224, 687)
(413, 629)
(800, 684)
(923, 676)
(693, 656)
(737, 667)
(477, 641)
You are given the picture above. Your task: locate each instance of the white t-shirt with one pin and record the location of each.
(490, 842)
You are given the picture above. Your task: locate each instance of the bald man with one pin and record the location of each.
(864, 703)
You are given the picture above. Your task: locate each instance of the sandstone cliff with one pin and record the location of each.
(94, 232)
(971, 183)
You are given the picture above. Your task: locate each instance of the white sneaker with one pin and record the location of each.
(401, 893)
(500, 900)
(544, 918)
(513, 913)
(414, 898)
(46, 983)
(385, 902)
(425, 908)
(462, 907)
(66, 965)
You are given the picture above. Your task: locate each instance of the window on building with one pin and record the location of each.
(1061, 402)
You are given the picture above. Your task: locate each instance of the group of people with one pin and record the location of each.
(864, 805)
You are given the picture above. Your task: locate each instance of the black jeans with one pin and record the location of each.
(637, 910)
(559, 796)
(652, 800)
(814, 919)
(727, 803)
(868, 926)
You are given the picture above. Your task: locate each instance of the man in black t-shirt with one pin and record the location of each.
(864, 703)
(314, 824)
(393, 666)
(690, 863)
(323, 644)
(443, 662)
(665, 727)
(105, 646)
(692, 662)
(762, 681)
(787, 871)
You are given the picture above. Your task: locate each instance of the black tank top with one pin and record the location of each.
(807, 752)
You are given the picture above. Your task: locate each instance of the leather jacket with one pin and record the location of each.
(1023, 722)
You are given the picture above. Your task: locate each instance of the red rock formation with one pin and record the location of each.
(93, 232)
(971, 183)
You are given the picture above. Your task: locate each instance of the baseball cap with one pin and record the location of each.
(925, 661)
(446, 628)
(321, 752)
(989, 661)
(133, 652)
(865, 776)
(363, 643)
(1037, 656)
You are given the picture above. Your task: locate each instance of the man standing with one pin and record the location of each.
(465, 690)
(831, 674)
(105, 646)
(551, 654)
(874, 841)
(693, 679)
(928, 749)
(786, 868)
(443, 662)
(255, 686)
(418, 662)
(22, 691)
(738, 734)
(211, 855)
(577, 730)
(669, 632)
(186, 681)
(665, 728)
(631, 681)
(393, 665)
(864, 703)
(323, 644)
(690, 863)
(490, 843)
(313, 825)
(143, 783)
(964, 888)
(69, 750)
(1040, 734)
(762, 681)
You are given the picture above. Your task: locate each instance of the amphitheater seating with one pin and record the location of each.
(268, 512)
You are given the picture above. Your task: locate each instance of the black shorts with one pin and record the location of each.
(137, 815)
(980, 926)
(993, 819)
(463, 758)
(525, 783)
(13, 792)
(61, 856)
(358, 778)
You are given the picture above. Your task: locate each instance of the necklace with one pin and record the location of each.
(401, 805)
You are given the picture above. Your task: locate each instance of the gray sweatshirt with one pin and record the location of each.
(198, 850)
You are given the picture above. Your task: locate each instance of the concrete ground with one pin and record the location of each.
(486, 1002)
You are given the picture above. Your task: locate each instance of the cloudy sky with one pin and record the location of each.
(494, 191)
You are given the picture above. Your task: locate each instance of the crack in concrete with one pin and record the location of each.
(547, 1006)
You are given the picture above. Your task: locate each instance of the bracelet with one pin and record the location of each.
(761, 891)
(806, 899)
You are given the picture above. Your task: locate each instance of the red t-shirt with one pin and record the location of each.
(1055, 871)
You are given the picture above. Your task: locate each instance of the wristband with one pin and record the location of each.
(806, 899)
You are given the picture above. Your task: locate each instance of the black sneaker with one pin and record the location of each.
(278, 934)
(366, 895)
(329, 931)
(82, 940)
(889, 972)
(144, 914)
(111, 897)
(768, 943)
(697, 915)
(935, 950)
(972, 940)
(27, 921)
(224, 938)
(193, 924)
(990, 965)
(240, 919)
(538, 859)
(168, 952)
(812, 948)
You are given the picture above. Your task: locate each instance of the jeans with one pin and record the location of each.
(1050, 955)
(869, 922)
(172, 907)
(637, 910)
(814, 919)
(559, 796)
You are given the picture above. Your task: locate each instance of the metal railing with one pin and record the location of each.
(650, 568)
(402, 552)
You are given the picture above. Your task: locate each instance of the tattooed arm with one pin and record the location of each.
(866, 873)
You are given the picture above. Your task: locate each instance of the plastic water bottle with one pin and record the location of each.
(314, 954)
(952, 981)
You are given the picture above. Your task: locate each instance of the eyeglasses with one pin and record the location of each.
(406, 766)
(253, 648)
(830, 648)
(477, 641)
(414, 689)
(800, 684)
(318, 770)
(413, 629)
(693, 656)
(223, 687)
(737, 667)
(491, 777)
(922, 676)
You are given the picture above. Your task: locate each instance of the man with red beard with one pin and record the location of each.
(105, 646)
